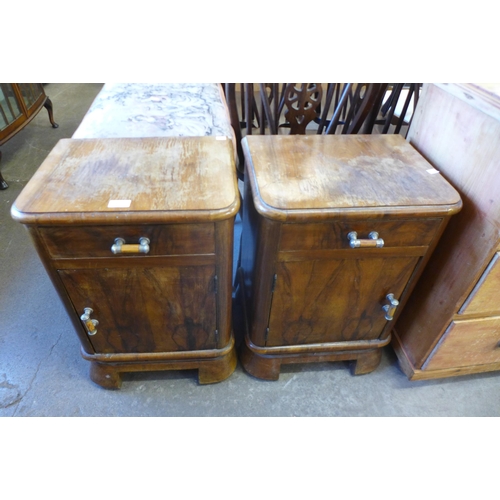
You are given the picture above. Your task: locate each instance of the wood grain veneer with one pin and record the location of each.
(96, 241)
(168, 308)
(309, 295)
(165, 180)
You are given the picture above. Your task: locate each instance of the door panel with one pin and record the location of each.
(147, 309)
(334, 300)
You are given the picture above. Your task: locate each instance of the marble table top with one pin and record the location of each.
(157, 110)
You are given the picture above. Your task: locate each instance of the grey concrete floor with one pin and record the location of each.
(43, 374)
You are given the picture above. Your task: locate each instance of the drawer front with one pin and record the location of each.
(467, 343)
(333, 235)
(485, 297)
(88, 241)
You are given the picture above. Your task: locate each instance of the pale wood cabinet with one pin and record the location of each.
(451, 324)
(137, 236)
(336, 231)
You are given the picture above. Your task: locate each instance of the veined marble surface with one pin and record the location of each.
(157, 110)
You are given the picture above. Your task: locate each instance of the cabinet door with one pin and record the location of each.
(9, 107)
(31, 93)
(334, 300)
(146, 309)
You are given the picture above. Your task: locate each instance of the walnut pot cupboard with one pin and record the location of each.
(452, 322)
(336, 231)
(137, 235)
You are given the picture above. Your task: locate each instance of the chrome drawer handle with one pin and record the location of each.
(390, 308)
(90, 324)
(121, 247)
(374, 240)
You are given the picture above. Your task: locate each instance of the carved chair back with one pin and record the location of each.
(340, 108)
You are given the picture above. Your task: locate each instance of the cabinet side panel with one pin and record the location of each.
(267, 247)
(224, 232)
(259, 247)
(248, 247)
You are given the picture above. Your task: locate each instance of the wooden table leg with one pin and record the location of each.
(3, 184)
(48, 106)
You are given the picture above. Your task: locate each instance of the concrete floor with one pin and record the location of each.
(42, 373)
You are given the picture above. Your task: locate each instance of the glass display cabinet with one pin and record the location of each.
(19, 104)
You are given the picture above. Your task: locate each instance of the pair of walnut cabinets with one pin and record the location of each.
(137, 237)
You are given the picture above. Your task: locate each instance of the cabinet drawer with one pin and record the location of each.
(467, 343)
(88, 241)
(484, 298)
(333, 235)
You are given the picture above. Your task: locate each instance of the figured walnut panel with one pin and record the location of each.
(162, 179)
(147, 309)
(334, 300)
(88, 241)
(328, 174)
(333, 235)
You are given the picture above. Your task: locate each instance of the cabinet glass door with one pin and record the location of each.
(9, 107)
(31, 92)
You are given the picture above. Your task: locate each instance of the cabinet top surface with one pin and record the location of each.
(340, 173)
(132, 180)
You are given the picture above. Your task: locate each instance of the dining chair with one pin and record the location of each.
(340, 108)
(271, 108)
(397, 109)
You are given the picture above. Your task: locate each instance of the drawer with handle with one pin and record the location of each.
(110, 241)
(358, 234)
(467, 343)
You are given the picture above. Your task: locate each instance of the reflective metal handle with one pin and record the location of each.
(121, 247)
(390, 308)
(374, 240)
(90, 324)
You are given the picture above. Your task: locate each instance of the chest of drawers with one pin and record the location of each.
(137, 237)
(336, 232)
(453, 322)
